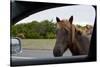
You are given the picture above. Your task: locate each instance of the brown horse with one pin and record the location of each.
(68, 36)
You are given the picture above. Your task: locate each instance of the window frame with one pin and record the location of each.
(18, 15)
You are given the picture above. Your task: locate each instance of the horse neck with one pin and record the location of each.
(75, 46)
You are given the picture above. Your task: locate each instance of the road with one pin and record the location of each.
(28, 57)
(37, 54)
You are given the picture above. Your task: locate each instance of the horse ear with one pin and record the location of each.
(71, 19)
(57, 19)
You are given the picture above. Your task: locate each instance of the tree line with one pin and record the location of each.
(39, 30)
(34, 30)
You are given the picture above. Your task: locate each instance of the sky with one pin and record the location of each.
(83, 14)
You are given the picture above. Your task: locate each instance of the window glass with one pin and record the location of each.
(43, 34)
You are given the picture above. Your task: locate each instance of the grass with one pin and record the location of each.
(38, 43)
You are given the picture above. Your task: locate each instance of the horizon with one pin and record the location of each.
(82, 24)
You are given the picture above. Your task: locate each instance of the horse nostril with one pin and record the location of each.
(57, 53)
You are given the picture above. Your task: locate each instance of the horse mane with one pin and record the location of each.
(81, 32)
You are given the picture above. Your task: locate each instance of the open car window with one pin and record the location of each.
(57, 33)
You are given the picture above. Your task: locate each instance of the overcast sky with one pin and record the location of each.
(83, 14)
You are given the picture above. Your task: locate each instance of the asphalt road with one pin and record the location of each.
(36, 54)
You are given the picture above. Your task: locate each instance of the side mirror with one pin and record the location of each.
(15, 45)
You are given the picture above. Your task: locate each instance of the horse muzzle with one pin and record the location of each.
(57, 52)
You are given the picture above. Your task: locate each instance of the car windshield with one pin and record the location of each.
(38, 32)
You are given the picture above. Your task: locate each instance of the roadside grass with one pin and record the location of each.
(38, 43)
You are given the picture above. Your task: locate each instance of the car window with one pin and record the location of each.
(39, 38)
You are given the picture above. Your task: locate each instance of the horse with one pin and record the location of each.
(69, 37)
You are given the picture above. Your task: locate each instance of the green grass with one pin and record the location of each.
(38, 43)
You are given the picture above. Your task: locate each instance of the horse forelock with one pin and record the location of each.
(64, 24)
(70, 27)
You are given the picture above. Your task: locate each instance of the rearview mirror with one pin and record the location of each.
(15, 45)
